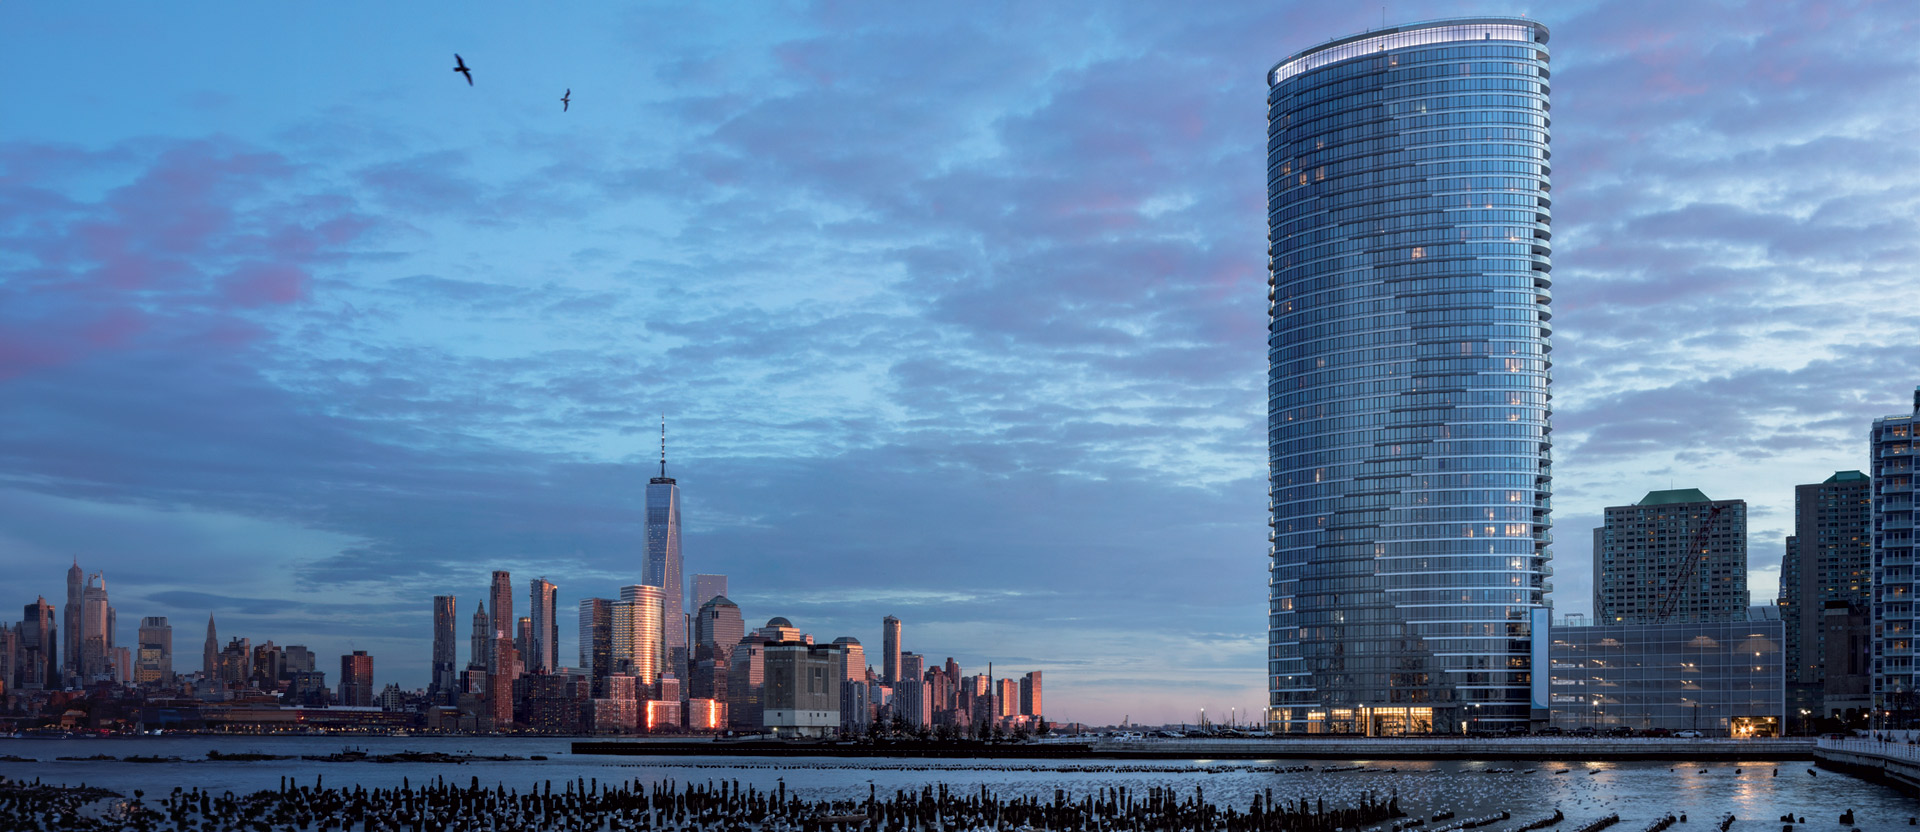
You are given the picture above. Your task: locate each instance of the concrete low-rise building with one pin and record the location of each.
(1721, 678)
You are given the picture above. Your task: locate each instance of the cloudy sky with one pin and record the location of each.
(956, 311)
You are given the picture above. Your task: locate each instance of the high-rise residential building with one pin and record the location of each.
(1828, 561)
(1891, 445)
(890, 649)
(499, 699)
(1007, 699)
(356, 679)
(9, 657)
(480, 639)
(638, 646)
(1674, 557)
(855, 661)
(1030, 695)
(501, 596)
(210, 652)
(544, 643)
(445, 639)
(1408, 378)
(717, 628)
(96, 631)
(39, 651)
(596, 642)
(707, 588)
(663, 559)
(76, 604)
(153, 665)
(523, 640)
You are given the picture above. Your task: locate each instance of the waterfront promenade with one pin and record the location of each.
(1894, 761)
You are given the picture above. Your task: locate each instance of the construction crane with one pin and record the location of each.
(1689, 568)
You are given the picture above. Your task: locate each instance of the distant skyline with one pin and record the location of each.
(957, 312)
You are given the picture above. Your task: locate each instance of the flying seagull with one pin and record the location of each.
(460, 66)
(565, 99)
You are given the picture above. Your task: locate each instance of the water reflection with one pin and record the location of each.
(1639, 792)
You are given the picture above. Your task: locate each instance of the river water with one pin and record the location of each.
(1639, 791)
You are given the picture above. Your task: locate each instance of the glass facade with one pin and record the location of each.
(663, 566)
(1723, 679)
(1408, 346)
(638, 649)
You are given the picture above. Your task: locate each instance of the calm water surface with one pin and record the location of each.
(1640, 792)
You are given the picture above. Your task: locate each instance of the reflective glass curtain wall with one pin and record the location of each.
(1408, 243)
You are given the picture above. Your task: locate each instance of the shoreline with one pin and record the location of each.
(1367, 749)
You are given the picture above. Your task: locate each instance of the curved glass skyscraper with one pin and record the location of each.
(1408, 347)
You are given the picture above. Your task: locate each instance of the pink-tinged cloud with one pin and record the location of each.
(115, 328)
(264, 284)
(197, 237)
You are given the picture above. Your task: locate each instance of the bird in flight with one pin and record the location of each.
(460, 66)
(564, 99)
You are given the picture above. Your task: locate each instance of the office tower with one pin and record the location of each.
(1827, 567)
(445, 676)
(717, 628)
(1675, 556)
(596, 642)
(210, 655)
(236, 662)
(913, 667)
(707, 588)
(480, 639)
(544, 641)
(638, 647)
(153, 665)
(269, 666)
(1007, 700)
(1891, 454)
(855, 658)
(501, 596)
(1407, 377)
(297, 659)
(1030, 696)
(663, 558)
(356, 680)
(746, 673)
(307, 688)
(76, 604)
(890, 649)
(39, 647)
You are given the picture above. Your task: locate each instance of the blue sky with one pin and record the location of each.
(957, 312)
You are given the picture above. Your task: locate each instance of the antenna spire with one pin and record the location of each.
(663, 445)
